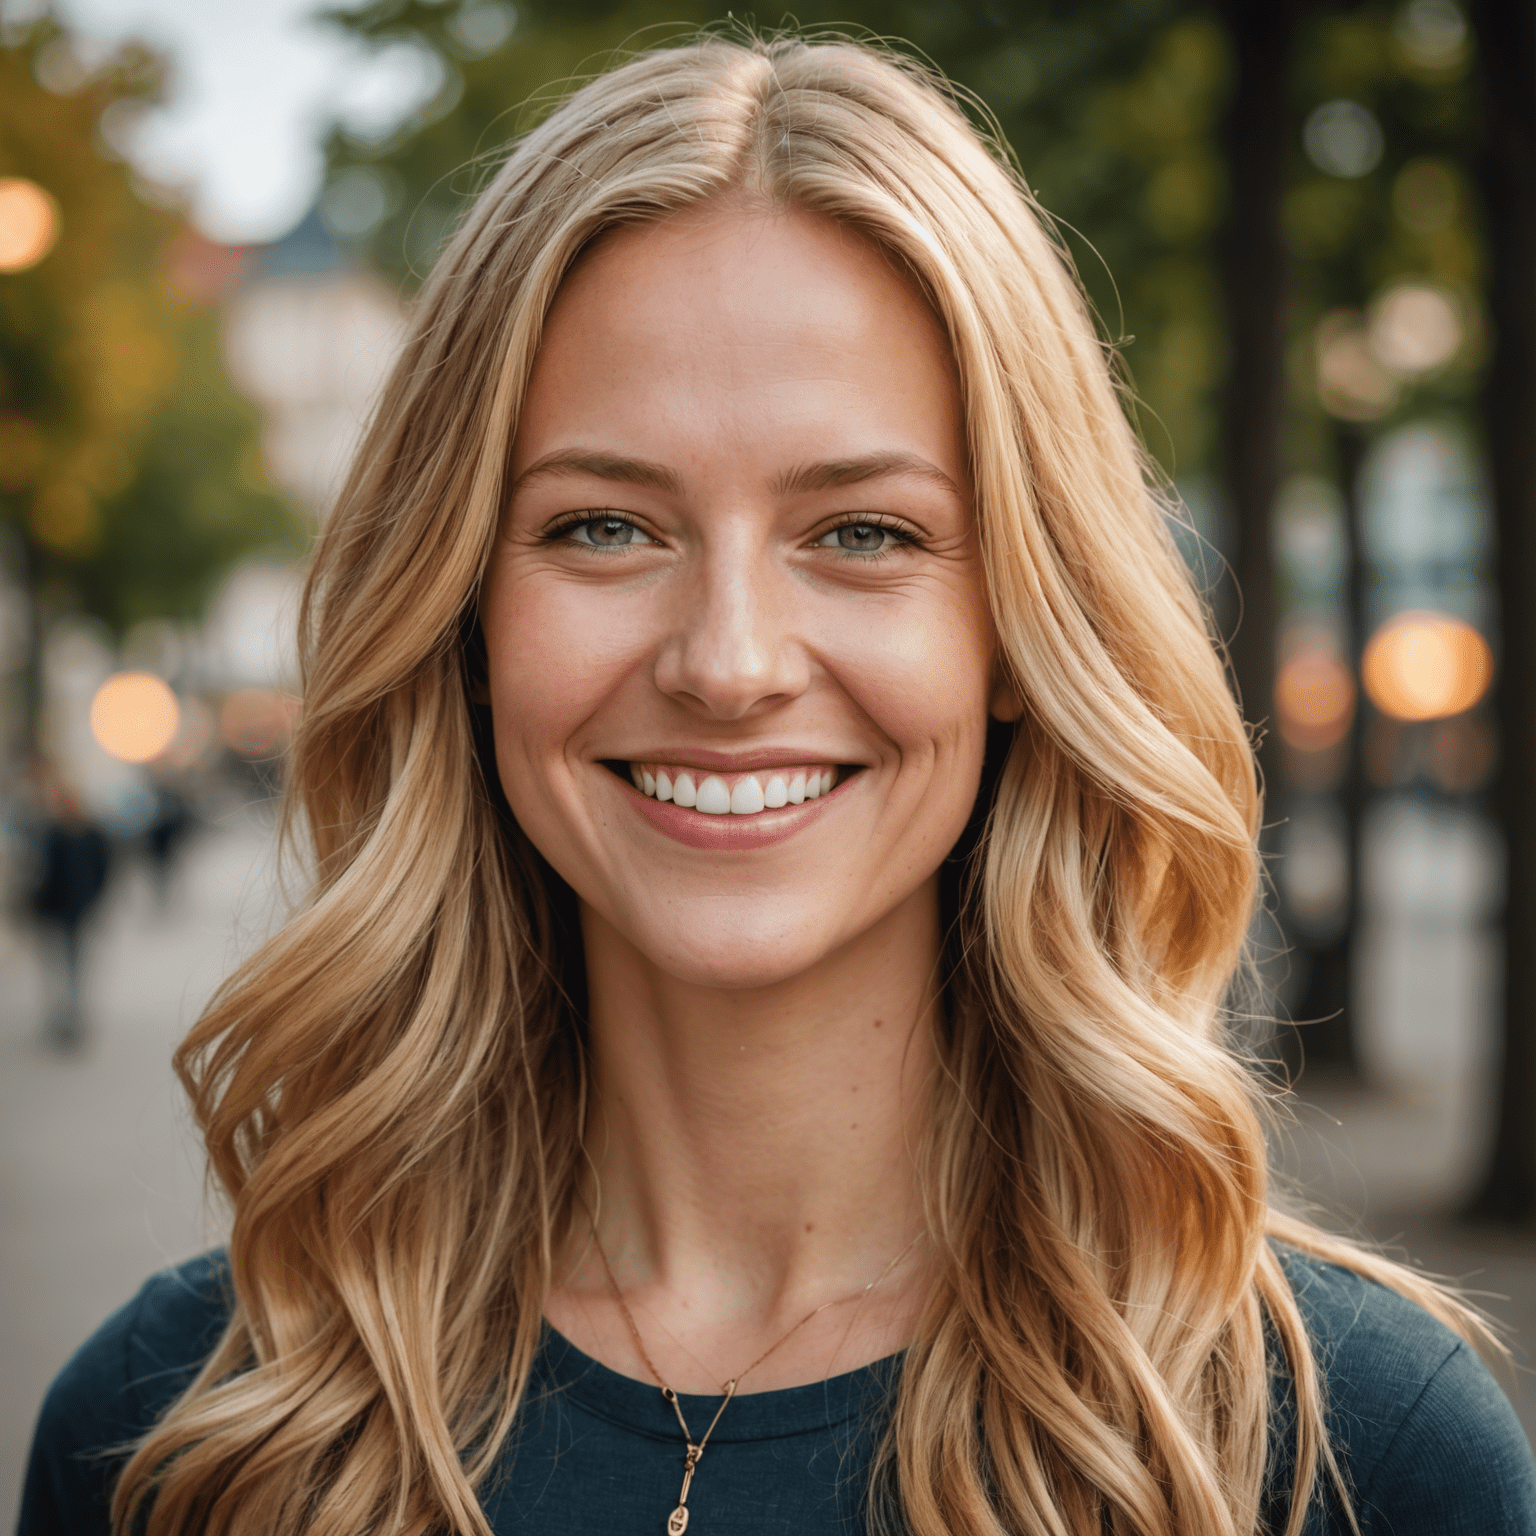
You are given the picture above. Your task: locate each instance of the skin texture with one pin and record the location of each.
(734, 385)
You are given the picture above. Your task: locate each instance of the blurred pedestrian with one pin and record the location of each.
(72, 873)
(164, 837)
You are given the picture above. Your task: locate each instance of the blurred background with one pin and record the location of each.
(1309, 229)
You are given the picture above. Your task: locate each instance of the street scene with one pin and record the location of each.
(1299, 231)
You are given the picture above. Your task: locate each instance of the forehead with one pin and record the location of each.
(741, 321)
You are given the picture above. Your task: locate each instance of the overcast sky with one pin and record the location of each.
(255, 84)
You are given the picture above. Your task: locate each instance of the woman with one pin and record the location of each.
(754, 1052)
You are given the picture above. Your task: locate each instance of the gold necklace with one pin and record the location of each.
(677, 1521)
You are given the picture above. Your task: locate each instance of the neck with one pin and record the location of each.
(753, 1152)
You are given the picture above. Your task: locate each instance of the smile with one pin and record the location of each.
(733, 794)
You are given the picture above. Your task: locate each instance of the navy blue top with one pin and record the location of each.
(1425, 1436)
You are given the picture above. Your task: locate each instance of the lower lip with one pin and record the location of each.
(729, 834)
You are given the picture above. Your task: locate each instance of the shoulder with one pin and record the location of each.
(1425, 1437)
(114, 1388)
(146, 1354)
(1378, 1349)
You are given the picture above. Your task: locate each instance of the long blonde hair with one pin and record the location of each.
(392, 1089)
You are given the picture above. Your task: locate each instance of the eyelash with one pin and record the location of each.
(570, 521)
(901, 536)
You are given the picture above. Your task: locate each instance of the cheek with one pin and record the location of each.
(551, 665)
(922, 676)
(554, 653)
(922, 671)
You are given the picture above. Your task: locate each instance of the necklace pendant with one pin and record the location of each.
(677, 1521)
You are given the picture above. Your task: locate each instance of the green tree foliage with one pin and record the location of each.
(1410, 215)
(1110, 109)
(127, 461)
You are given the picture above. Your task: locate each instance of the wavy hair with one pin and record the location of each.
(392, 1089)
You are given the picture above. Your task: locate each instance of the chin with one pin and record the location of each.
(743, 955)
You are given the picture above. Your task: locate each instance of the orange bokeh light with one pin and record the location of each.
(134, 717)
(1314, 699)
(1426, 666)
(29, 224)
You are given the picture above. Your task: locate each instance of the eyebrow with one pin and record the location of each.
(604, 466)
(825, 476)
(871, 466)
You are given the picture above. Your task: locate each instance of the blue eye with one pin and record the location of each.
(862, 539)
(605, 533)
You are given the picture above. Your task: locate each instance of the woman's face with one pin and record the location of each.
(740, 655)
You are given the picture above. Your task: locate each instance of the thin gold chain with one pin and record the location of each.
(679, 1518)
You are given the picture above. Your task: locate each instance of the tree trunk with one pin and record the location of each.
(1257, 136)
(1326, 1033)
(1506, 43)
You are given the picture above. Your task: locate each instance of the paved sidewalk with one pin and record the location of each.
(100, 1175)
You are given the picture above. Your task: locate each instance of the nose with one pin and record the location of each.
(731, 651)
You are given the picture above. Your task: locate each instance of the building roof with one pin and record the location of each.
(307, 250)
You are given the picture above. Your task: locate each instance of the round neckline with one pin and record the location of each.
(638, 1406)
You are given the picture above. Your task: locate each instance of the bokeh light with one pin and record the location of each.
(1343, 138)
(483, 28)
(1426, 666)
(257, 722)
(1431, 33)
(1314, 699)
(1352, 381)
(1415, 328)
(134, 716)
(357, 201)
(29, 224)
(1362, 362)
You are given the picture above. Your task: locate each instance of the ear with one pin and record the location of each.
(1004, 702)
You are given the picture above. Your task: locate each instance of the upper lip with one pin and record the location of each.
(735, 762)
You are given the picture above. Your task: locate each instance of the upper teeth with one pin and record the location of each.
(732, 794)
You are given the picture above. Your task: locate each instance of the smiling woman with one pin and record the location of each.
(755, 1052)
(741, 463)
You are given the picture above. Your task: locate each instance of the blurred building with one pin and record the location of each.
(310, 336)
